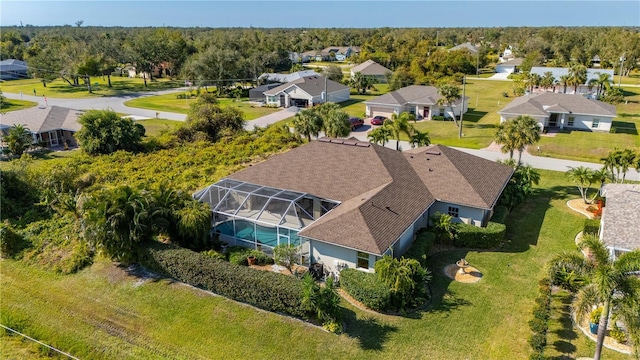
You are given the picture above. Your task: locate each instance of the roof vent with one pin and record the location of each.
(324, 139)
(363, 144)
(430, 169)
(337, 141)
(349, 142)
(432, 152)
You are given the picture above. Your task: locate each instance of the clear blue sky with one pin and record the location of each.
(321, 14)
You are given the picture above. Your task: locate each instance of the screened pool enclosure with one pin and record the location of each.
(261, 217)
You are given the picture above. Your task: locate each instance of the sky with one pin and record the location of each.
(321, 14)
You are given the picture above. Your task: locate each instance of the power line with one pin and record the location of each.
(40, 342)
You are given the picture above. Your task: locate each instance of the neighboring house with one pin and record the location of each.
(285, 78)
(507, 54)
(306, 92)
(465, 46)
(596, 61)
(510, 66)
(562, 111)
(619, 228)
(373, 70)
(422, 101)
(12, 69)
(158, 71)
(347, 203)
(257, 94)
(557, 72)
(52, 125)
(331, 53)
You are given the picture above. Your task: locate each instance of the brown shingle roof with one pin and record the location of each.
(370, 67)
(541, 104)
(457, 177)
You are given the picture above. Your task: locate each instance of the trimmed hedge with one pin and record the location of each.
(237, 255)
(591, 226)
(421, 246)
(479, 237)
(263, 289)
(366, 288)
(500, 214)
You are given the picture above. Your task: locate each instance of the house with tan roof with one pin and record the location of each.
(562, 111)
(619, 228)
(422, 101)
(373, 70)
(51, 125)
(306, 92)
(465, 46)
(346, 203)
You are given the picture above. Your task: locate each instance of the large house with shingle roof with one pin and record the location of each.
(562, 111)
(347, 203)
(306, 92)
(619, 228)
(372, 70)
(422, 101)
(51, 125)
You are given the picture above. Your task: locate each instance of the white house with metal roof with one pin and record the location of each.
(557, 72)
(562, 111)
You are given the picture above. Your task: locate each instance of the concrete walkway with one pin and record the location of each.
(272, 118)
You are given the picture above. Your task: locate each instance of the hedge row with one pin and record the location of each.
(540, 322)
(366, 288)
(421, 246)
(479, 237)
(591, 226)
(263, 289)
(500, 214)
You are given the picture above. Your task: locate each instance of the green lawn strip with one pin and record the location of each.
(17, 347)
(61, 89)
(13, 105)
(154, 127)
(170, 103)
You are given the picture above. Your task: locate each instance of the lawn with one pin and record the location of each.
(61, 89)
(154, 127)
(13, 105)
(103, 312)
(170, 103)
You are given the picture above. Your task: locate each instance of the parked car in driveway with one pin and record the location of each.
(378, 120)
(356, 122)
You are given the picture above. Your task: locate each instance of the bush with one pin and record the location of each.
(421, 246)
(538, 326)
(214, 255)
(479, 237)
(591, 226)
(617, 334)
(263, 289)
(237, 255)
(594, 316)
(538, 341)
(500, 214)
(366, 288)
(11, 243)
(438, 117)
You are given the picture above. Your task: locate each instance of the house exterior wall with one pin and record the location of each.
(374, 110)
(340, 95)
(335, 258)
(466, 214)
(580, 122)
(508, 69)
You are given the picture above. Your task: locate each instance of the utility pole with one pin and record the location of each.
(622, 59)
(462, 106)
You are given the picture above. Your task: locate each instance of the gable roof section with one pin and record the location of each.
(544, 103)
(285, 78)
(457, 177)
(312, 85)
(512, 62)
(13, 65)
(412, 94)
(370, 67)
(621, 215)
(465, 46)
(39, 120)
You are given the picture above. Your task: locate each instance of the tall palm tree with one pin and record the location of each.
(547, 80)
(517, 134)
(380, 135)
(18, 139)
(609, 281)
(583, 177)
(400, 124)
(577, 76)
(502, 138)
(307, 122)
(336, 124)
(419, 138)
(564, 80)
(604, 81)
(449, 94)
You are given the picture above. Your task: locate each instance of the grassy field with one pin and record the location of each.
(13, 105)
(61, 89)
(106, 312)
(154, 127)
(170, 103)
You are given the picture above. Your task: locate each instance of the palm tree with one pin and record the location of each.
(400, 124)
(564, 80)
(604, 81)
(583, 177)
(547, 80)
(380, 135)
(401, 276)
(448, 95)
(361, 83)
(609, 281)
(577, 76)
(517, 134)
(336, 124)
(194, 222)
(502, 138)
(307, 122)
(419, 138)
(442, 226)
(618, 162)
(18, 139)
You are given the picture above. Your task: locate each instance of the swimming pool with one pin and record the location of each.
(249, 231)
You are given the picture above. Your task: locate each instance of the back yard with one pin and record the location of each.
(107, 312)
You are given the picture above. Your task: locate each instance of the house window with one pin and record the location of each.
(595, 123)
(363, 260)
(453, 211)
(441, 111)
(570, 121)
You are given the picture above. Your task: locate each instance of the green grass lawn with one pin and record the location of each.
(102, 312)
(169, 102)
(61, 89)
(13, 105)
(154, 127)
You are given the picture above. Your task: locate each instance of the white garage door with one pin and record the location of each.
(375, 111)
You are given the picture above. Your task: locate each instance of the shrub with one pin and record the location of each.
(480, 237)
(237, 255)
(537, 356)
(541, 313)
(421, 246)
(366, 288)
(500, 214)
(11, 243)
(538, 326)
(591, 226)
(438, 118)
(538, 341)
(286, 255)
(263, 289)
(214, 254)
(617, 334)
(594, 316)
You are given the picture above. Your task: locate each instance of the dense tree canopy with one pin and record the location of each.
(104, 131)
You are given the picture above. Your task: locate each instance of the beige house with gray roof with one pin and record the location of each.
(562, 111)
(51, 125)
(306, 92)
(422, 101)
(347, 203)
(619, 229)
(373, 70)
